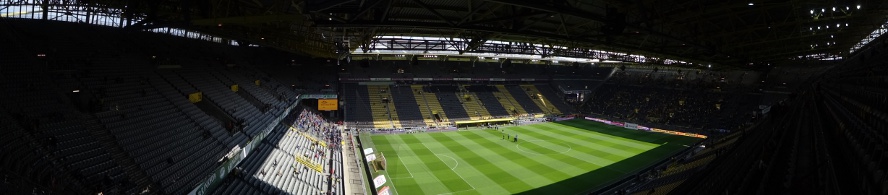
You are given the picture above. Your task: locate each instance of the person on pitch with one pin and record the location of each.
(516, 138)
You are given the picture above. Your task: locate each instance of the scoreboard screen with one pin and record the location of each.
(328, 104)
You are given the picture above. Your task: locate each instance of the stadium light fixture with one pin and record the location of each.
(858, 6)
(751, 3)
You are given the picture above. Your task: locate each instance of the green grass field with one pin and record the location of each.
(567, 157)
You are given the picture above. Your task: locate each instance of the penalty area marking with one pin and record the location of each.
(451, 169)
(451, 158)
(454, 171)
(405, 165)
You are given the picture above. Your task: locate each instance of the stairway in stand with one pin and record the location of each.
(390, 107)
(434, 105)
(472, 104)
(505, 98)
(427, 117)
(132, 169)
(540, 100)
(381, 117)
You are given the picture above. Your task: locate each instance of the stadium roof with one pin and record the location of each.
(733, 33)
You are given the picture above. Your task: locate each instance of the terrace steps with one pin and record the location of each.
(540, 100)
(432, 101)
(505, 98)
(473, 105)
(427, 117)
(381, 115)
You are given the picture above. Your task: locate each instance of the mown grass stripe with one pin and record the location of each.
(591, 155)
(611, 132)
(565, 163)
(532, 168)
(496, 166)
(606, 147)
(492, 159)
(508, 151)
(425, 178)
(627, 143)
(399, 174)
(436, 165)
(473, 168)
(565, 153)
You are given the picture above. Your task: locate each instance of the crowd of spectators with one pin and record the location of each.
(664, 99)
(314, 123)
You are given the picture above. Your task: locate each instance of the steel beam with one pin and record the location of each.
(434, 12)
(328, 4)
(596, 17)
(512, 17)
(243, 20)
(365, 10)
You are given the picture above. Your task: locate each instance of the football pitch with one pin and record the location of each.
(567, 157)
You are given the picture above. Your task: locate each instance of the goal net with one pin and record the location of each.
(379, 164)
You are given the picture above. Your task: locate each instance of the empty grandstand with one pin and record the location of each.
(383, 97)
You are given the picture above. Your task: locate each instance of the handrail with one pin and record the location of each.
(388, 109)
(211, 181)
(358, 161)
(431, 114)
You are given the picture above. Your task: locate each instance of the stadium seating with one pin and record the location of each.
(381, 106)
(508, 101)
(431, 100)
(449, 101)
(282, 165)
(425, 109)
(357, 106)
(486, 97)
(553, 98)
(540, 100)
(521, 97)
(117, 124)
(408, 109)
(826, 138)
(659, 102)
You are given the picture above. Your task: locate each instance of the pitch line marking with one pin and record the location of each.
(405, 165)
(427, 171)
(451, 158)
(454, 172)
(456, 191)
